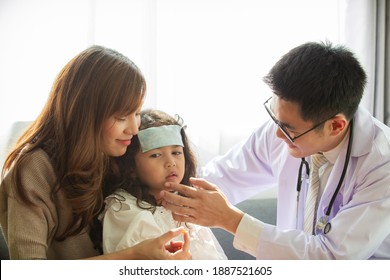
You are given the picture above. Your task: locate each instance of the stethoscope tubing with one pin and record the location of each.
(324, 219)
(346, 163)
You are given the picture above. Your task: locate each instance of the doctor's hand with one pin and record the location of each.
(204, 204)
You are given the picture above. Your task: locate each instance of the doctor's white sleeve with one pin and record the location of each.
(247, 237)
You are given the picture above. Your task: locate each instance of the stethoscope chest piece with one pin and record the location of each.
(322, 225)
(327, 228)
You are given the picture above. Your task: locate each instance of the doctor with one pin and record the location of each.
(314, 112)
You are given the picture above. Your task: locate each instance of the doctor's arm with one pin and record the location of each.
(204, 205)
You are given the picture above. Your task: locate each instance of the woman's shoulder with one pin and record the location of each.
(39, 162)
(36, 169)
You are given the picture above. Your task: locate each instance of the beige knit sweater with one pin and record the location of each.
(30, 231)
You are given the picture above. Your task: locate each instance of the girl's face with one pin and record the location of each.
(118, 132)
(157, 166)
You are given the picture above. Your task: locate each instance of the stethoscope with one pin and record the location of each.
(323, 225)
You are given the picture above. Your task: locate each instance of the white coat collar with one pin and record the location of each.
(363, 132)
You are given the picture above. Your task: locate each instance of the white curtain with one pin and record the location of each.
(365, 29)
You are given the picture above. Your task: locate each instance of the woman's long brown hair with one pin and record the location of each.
(95, 85)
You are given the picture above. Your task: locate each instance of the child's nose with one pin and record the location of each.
(171, 163)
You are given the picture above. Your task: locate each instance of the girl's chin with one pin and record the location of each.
(173, 179)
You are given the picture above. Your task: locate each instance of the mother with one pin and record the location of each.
(51, 190)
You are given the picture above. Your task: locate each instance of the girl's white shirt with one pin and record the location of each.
(125, 224)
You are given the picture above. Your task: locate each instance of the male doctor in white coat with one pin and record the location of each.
(314, 110)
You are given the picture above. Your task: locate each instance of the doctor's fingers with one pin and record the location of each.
(184, 190)
(199, 214)
(181, 214)
(201, 220)
(179, 204)
(203, 184)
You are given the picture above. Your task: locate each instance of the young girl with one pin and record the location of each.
(51, 190)
(160, 153)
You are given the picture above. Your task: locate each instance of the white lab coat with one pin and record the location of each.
(360, 216)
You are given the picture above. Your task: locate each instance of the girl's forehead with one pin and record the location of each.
(161, 136)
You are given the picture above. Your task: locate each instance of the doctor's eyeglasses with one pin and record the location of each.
(267, 106)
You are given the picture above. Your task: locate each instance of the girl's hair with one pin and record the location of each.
(92, 87)
(152, 118)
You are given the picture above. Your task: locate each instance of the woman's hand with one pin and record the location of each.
(156, 248)
(203, 204)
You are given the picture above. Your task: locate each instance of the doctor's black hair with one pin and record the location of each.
(323, 79)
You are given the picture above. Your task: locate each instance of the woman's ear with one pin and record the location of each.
(338, 125)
